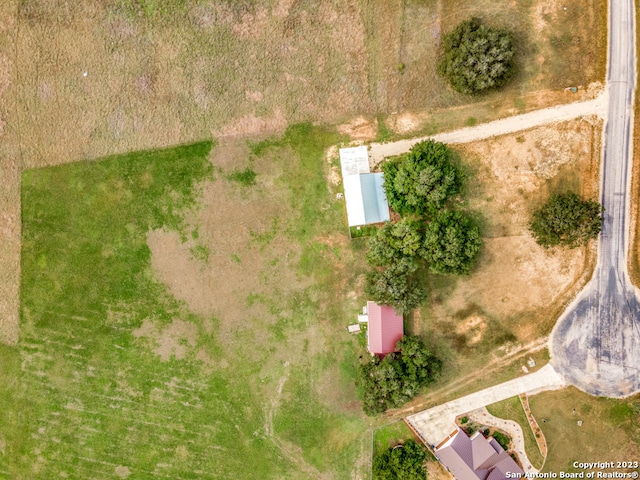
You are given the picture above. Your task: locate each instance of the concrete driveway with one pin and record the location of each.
(434, 424)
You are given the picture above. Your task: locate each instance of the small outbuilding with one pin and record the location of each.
(355, 328)
(385, 328)
(364, 194)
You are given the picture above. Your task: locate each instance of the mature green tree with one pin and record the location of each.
(476, 58)
(419, 366)
(451, 243)
(395, 379)
(395, 241)
(396, 284)
(381, 384)
(566, 220)
(422, 180)
(402, 462)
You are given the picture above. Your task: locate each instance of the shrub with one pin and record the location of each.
(246, 177)
(566, 220)
(502, 439)
(401, 462)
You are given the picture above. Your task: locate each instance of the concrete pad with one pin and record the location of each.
(434, 424)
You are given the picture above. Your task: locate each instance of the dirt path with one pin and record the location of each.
(598, 106)
(458, 386)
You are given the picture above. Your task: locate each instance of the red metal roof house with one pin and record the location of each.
(385, 328)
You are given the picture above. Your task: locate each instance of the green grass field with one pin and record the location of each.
(390, 436)
(86, 393)
(609, 430)
(511, 409)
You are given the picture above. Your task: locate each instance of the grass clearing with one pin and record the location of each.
(122, 370)
(511, 409)
(609, 430)
(390, 436)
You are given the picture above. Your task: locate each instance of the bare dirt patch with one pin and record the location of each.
(360, 128)
(334, 176)
(174, 340)
(514, 277)
(252, 125)
(436, 471)
(122, 472)
(241, 268)
(473, 328)
(518, 170)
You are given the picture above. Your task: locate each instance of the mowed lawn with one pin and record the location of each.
(115, 377)
(609, 429)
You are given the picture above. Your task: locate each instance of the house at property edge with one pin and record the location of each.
(363, 192)
(475, 457)
(385, 328)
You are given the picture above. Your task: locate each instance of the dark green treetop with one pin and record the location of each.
(476, 58)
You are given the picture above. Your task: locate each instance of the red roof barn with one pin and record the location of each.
(385, 328)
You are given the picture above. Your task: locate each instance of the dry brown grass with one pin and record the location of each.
(556, 48)
(236, 68)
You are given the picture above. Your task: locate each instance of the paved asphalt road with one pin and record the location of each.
(596, 343)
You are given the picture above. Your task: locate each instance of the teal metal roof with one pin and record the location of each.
(376, 208)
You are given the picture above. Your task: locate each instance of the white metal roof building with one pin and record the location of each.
(363, 192)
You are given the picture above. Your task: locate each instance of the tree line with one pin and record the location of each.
(430, 237)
